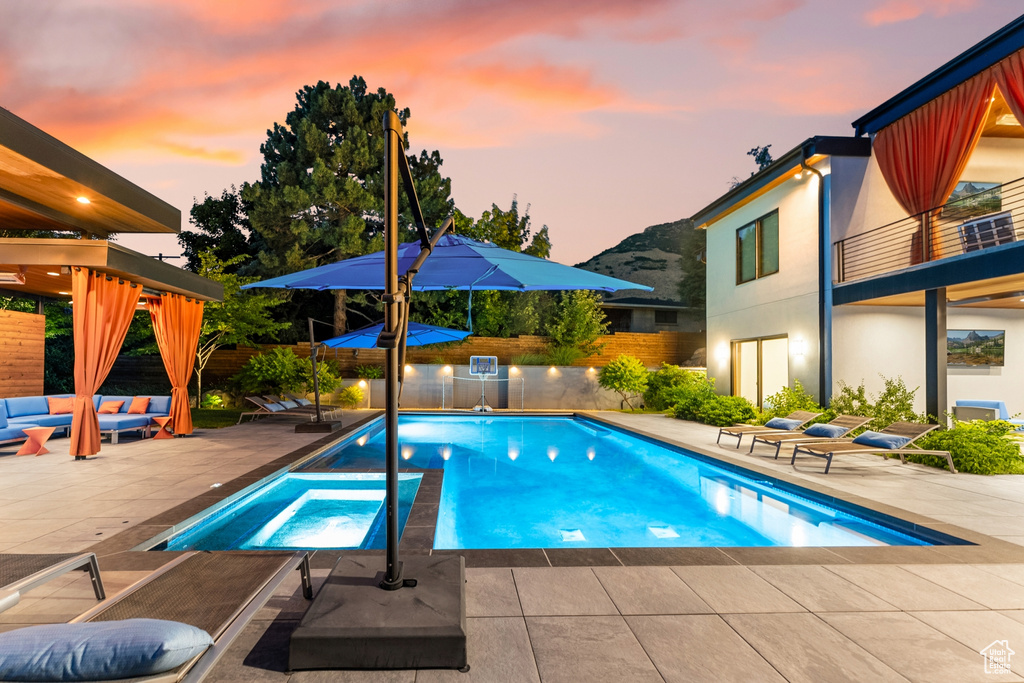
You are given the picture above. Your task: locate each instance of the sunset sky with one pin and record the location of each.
(606, 116)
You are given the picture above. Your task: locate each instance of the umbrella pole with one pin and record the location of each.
(392, 148)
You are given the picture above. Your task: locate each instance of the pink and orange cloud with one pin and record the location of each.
(895, 11)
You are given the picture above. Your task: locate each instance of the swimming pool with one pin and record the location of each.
(569, 482)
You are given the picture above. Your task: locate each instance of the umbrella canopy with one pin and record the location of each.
(456, 262)
(418, 335)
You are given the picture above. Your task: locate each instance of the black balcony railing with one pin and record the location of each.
(987, 218)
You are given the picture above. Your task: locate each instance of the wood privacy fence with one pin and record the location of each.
(651, 349)
(22, 352)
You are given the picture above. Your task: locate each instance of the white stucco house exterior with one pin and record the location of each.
(831, 265)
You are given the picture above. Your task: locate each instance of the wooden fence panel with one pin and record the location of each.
(22, 353)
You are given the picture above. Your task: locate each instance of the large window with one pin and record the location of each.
(757, 248)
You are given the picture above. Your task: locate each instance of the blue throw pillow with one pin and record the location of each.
(97, 651)
(880, 440)
(3, 414)
(825, 430)
(782, 423)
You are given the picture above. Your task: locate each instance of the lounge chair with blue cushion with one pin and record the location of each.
(822, 431)
(20, 573)
(791, 422)
(263, 408)
(895, 439)
(985, 410)
(298, 399)
(172, 626)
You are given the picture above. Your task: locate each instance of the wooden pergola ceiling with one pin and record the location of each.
(46, 266)
(43, 183)
(999, 292)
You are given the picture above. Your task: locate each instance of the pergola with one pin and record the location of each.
(46, 185)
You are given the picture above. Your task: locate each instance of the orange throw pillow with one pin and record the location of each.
(110, 407)
(60, 406)
(139, 405)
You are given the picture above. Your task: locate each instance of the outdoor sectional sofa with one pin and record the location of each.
(33, 411)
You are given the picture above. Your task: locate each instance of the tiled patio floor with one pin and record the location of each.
(751, 617)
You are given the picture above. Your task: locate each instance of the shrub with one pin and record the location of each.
(280, 370)
(894, 404)
(977, 447)
(529, 359)
(850, 401)
(212, 401)
(350, 396)
(787, 400)
(563, 355)
(661, 382)
(626, 376)
(370, 372)
(721, 411)
(687, 398)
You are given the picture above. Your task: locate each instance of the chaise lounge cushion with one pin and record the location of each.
(782, 423)
(102, 650)
(880, 440)
(825, 431)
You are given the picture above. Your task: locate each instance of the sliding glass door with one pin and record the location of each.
(760, 367)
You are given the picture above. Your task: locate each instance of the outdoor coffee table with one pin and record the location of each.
(37, 437)
(163, 432)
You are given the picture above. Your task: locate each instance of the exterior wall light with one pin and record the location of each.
(722, 352)
(447, 369)
(798, 346)
(362, 384)
(514, 370)
(408, 368)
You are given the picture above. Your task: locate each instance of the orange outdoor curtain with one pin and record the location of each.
(1009, 76)
(176, 325)
(923, 154)
(103, 309)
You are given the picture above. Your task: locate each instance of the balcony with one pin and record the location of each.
(991, 217)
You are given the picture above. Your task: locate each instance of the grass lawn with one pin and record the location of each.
(215, 418)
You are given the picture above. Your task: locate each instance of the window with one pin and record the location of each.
(664, 317)
(757, 248)
(760, 367)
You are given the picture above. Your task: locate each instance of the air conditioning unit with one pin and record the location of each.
(12, 278)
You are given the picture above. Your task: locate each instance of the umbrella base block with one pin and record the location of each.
(355, 624)
(325, 427)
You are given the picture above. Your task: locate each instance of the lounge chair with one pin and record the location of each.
(286, 403)
(802, 417)
(908, 430)
(264, 407)
(219, 593)
(21, 573)
(845, 423)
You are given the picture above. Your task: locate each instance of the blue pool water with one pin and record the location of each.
(557, 482)
(302, 512)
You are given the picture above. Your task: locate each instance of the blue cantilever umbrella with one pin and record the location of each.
(418, 335)
(456, 262)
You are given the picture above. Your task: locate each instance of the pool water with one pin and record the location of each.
(301, 512)
(568, 482)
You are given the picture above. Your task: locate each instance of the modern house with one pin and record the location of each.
(850, 258)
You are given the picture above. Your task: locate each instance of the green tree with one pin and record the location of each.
(626, 376)
(762, 157)
(578, 322)
(321, 192)
(241, 318)
(221, 227)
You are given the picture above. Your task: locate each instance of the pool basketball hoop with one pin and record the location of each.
(482, 367)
